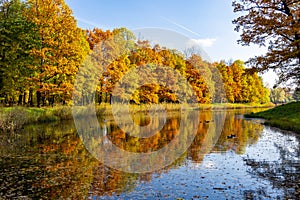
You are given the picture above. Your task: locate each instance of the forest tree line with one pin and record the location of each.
(42, 49)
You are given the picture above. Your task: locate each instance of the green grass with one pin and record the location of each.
(14, 118)
(286, 117)
(240, 106)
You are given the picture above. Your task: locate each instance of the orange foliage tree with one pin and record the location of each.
(63, 48)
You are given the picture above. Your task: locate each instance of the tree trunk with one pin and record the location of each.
(109, 98)
(100, 98)
(30, 98)
(24, 98)
(38, 98)
(20, 100)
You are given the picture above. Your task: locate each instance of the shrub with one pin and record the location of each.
(63, 112)
(13, 119)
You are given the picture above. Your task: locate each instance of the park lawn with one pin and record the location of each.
(286, 116)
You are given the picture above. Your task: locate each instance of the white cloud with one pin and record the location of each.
(208, 42)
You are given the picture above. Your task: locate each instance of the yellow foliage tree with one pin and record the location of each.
(63, 48)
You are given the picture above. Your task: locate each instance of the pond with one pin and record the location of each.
(229, 157)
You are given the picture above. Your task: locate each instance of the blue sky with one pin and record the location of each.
(207, 22)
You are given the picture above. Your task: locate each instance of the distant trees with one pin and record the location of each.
(242, 87)
(42, 49)
(142, 56)
(282, 95)
(275, 24)
(211, 83)
(277, 95)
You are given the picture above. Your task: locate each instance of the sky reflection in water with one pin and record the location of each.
(50, 162)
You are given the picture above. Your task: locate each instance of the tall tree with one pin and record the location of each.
(63, 48)
(219, 88)
(238, 70)
(228, 82)
(111, 49)
(17, 37)
(204, 78)
(276, 24)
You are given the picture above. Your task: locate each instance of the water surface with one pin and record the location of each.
(229, 158)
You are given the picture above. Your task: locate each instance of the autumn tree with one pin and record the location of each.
(282, 95)
(146, 59)
(227, 77)
(111, 50)
(18, 37)
(237, 73)
(101, 43)
(95, 36)
(276, 24)
(63, 48)
(255, 88)
(200, 77)
(87, 80)
(240, 86)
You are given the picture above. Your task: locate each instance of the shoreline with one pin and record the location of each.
(14, 118)
(285, 117)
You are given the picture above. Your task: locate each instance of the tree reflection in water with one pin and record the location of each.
(50, 161)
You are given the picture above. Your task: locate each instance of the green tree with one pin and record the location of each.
(18, 37)
(266, 96)
(275, 24)
(277, 95)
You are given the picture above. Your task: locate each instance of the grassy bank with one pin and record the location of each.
(240, 106)
(14, 118)
(286, 117)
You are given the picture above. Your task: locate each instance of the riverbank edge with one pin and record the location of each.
(14, 118)
(285, 117)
